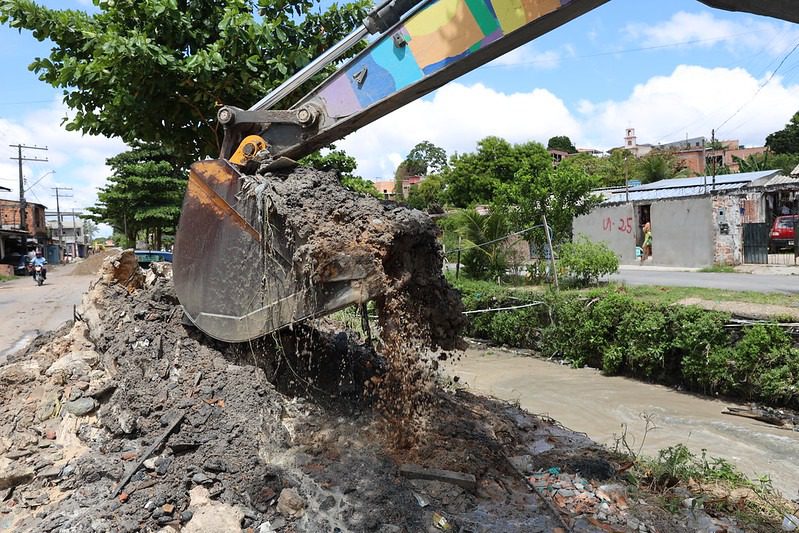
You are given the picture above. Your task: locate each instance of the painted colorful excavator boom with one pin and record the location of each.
(224, 288)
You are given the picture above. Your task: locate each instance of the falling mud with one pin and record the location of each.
(394, 249)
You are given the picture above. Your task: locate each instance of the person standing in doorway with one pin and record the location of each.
(647, 242)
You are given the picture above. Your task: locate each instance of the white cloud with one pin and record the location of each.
(455, 118)
(691, 101)
(78, 160)
(747, 34)
(529, 55)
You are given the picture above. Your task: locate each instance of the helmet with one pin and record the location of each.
(38, 253)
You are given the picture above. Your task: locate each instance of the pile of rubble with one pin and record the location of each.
(129, 420)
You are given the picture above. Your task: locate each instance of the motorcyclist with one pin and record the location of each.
(39, 260)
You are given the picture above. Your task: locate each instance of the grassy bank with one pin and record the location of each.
(636, 332)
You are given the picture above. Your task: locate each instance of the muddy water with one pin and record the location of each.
(585, 400)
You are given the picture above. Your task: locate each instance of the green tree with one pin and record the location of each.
(144, 193)
(538, 189)
(658, 165)
(485, 255)
(157, 70)
(786, 140)
(562, 143)
(425, 158)
(427, 195)
(608, 171)
(475, 178)
(753, 162)
(344, 165)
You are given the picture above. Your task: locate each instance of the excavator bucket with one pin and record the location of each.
(237, 281)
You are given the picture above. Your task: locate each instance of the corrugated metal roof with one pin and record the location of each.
(684, 187)
(665, 194)
(676, 183)
(778, 181)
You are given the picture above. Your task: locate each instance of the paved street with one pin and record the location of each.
(27, 309)
(712, 280)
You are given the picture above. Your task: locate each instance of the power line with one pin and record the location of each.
(626, 50)
(762, 85)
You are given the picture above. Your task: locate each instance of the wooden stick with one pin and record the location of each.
(467, 481)
(147, 454)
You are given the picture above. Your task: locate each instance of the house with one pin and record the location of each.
(16, 240)
(696, 156)
(386, 188)
(75, 242)
(695, 222)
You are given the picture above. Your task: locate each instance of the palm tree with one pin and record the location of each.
(485, 255)
(752, 163)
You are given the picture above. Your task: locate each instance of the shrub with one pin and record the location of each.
(585, 261)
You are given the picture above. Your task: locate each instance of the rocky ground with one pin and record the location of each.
(129, 420)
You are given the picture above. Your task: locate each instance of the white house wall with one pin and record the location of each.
(613, 225)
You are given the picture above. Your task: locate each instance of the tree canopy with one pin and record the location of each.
(658, 165)
(475, 178)
(425, 158)
(156, 71)
(786, 140)
(562, 143)
(144, 193)
(538, 189)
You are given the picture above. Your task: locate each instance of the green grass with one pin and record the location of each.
(670, 295)
(5, 278)
(647, 293)
(718, 268)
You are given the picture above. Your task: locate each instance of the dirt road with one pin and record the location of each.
(584, 400)
(27, 309)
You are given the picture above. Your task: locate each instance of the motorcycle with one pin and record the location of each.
(38, 275)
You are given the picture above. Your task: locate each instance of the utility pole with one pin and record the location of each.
(74, 236)
(23, 206)
(713, 145)
(60, 223)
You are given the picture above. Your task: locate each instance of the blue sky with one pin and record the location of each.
(670, 69)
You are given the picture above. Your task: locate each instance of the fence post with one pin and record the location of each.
(551, 253)
(458, 260)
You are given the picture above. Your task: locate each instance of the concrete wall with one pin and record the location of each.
(613, 225)
(681, 232)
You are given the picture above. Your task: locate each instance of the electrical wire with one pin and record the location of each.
(623, 50)
(761, 86)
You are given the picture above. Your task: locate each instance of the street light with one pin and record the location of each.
(40, 179)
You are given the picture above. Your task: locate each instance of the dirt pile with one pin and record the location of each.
(131, 421)
(92, 264)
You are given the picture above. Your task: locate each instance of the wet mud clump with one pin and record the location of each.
(334, 232)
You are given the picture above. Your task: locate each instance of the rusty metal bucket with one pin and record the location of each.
(237, 282)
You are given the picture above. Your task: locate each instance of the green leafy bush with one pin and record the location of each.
(585, 261)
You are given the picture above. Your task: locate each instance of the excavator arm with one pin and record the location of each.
(420, 46)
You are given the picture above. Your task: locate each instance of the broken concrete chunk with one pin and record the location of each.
(209, 516)
(290, 503)
(19, 372)
(81, 406)
(76, 364)
(13, 474)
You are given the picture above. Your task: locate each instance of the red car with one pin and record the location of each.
(783, 233)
